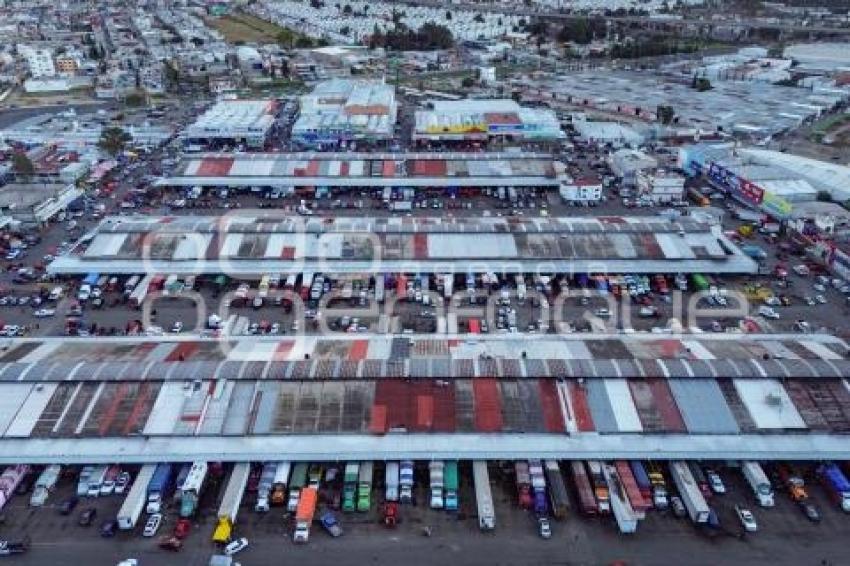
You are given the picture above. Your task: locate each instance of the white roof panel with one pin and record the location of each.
(768, 404)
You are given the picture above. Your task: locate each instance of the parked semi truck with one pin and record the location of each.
(160, 487)
(279, 483)
(660, 497)
(136, 499)
(621, 508)
(436, 471)
(836, 485)
(600, 486)
(483, 496)
(304, 514)
(451, 486)
(639, 504)
(793, 482)
(523, 485)
(557, 490)
(230, 502)
(296, 482)
(264, 487)
(759, 483)
(10, 479)
(391, 481)
(349, 486)
(642, 479)
(44, 485)
(364, 487)
(689, 491)
(586, 498)
(538, 486)
(192, 487)
(405, 481)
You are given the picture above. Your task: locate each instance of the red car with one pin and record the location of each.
(182, 528)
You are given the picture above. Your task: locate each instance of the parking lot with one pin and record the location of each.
(784, 535)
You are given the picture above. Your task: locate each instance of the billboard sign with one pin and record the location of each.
(740, 188)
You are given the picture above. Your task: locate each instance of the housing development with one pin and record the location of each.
(417, 282)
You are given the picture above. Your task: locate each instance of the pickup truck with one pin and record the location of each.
(331, 524)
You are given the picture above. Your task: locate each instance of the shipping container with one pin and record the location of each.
(586, 499)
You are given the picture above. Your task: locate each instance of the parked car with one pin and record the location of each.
(152, 525)
(235, 546)
(678, 507)
(715, 482)
(182, 528)
(68, 505)
(748, 520)
(87, 517)
(544, 528)
(108, 528)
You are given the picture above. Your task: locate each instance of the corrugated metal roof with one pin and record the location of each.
(703, 407)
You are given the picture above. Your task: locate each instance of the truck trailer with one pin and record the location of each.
(44, 485)
(349, 486)
(586, 498)
(436, 474)
(759, 483)
(450, 478)
(298, 481)
(304, 514)
(136, 499)
(229, 507)
(364, 487)
(483, 496)
(264, 487)
(391, 481)
(190, 494)
(689, 491)
(279, 483)
(557, 490)
(623, 512)
(836, 485)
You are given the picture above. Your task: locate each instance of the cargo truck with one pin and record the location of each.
(557, 490)
(192, 487)
(754, 252)
(296, 482)
(622, 510)
(659, 487)
(836, 485)
(627, 479)
(44, 485)
(794, 483)
(405, 481)
(10, 480)
(364, 487)
(391, 481)
(642, 479)
(349, 486)
(182, 474)
(83, 481)
(538, 487)
(304, 513)
(451, 486)
(600, 486)
(278, 489)
(483, 496)
(759, 483)
(586, 499)
(689, 492)
(264, 487)
(136, 499)
(436, 471)
(230, 502)
(523, 485)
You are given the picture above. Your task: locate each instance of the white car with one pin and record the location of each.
(544, 528)
(748, 521)
(715, 482)
(44, 313)
(235, 546)
(819, 288)
(152, 526)
(821, 299)
(177, 328)
(768, 312)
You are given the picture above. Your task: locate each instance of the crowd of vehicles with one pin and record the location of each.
(625, 491)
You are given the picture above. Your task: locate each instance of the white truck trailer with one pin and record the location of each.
(689, 491)
(44, 485)
(136, 499)
(391, 481)
(483, 496)
(759, 483)
(620, 506)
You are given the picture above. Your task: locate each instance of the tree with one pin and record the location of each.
(347, 9)
(22, 165)
(344, 30)
(448, 16)
(113, 140)
(824, 196)
(467, 82)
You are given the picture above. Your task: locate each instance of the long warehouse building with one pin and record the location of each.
(355, 398)
(248, 244)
